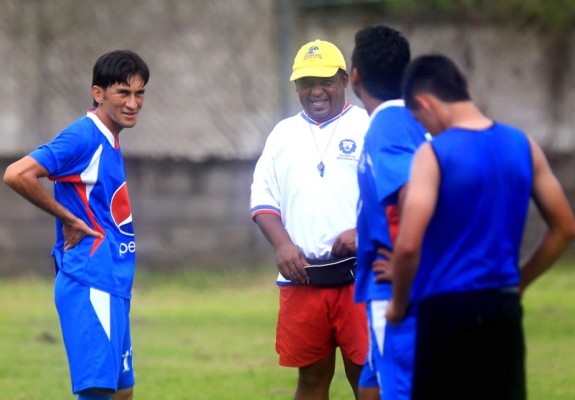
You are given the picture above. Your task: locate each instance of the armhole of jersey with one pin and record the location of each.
(437, 161)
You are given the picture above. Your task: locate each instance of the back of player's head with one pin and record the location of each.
(380, 56)
(435, 74)
(118, 66)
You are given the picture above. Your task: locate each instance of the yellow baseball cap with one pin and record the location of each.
(319, 59)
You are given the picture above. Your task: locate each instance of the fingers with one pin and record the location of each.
(293, 268)
(383, 270)
(294, 274)
(383, 277)
(73, 234)
(337, 248)
(297, 271)
(382, 251)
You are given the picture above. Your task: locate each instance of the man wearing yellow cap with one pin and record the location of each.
(303, 197)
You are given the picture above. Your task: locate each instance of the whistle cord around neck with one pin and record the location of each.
(321, 165)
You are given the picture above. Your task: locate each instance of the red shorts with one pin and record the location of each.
(312, 322)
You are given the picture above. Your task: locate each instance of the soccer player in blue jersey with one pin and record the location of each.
(456, 258)
(379, 59)
(95, 250)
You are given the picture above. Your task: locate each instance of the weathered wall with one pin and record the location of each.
(186, 215)
(219, 82)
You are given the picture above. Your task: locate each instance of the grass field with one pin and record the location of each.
(207, 337)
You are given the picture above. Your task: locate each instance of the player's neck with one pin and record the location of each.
(466, 115)
(114, 128)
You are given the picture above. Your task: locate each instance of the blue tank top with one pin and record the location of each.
(474, 237)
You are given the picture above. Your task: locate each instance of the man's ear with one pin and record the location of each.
(98, 94)
(424, 101)
(345, 79)
(355, 78)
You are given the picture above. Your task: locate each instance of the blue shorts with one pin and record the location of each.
(96, 330)
(391, 353)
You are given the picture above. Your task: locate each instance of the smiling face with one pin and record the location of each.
(120, 103)
(322, 98)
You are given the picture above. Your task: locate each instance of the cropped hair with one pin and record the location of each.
(118, 66)
(380, 56)
(435, 74)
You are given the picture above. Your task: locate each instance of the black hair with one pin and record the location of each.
(435, 74)
(118, 66)
(380, 56)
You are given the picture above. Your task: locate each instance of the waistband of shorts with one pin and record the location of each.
(506, 290)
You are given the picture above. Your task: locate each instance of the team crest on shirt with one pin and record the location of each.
(347, 148)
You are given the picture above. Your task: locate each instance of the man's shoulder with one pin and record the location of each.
(356, 118)
(290, 123)
(396, 125)
(358, 112)
(83, 126)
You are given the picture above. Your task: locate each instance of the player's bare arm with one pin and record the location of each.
(417, 210)
(345, 245)
(289, 258)
(23, 176)
(557, 214)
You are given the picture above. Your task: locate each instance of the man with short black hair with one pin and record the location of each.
(95, 250)
(456, 259)
(379, 58)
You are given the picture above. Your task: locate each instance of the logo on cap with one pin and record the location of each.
(122, 211)
(311, 53)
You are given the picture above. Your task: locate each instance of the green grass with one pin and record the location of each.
(211, 336)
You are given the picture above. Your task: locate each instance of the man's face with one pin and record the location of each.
(322, 98)
(119, 104)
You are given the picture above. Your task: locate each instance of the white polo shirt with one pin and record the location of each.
(314, 209)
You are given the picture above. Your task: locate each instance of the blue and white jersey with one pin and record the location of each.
(85, 163)
(474, 237)
(393, 136)
(315, 208)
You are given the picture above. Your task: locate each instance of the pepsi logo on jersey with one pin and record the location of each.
(122, 211)
(122, 216)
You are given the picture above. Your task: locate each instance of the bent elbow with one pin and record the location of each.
(9, 177)
(565, 233)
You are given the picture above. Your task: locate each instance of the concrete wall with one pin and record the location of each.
(219, 83)
(186, 215)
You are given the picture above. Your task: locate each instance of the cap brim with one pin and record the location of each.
(319, 72)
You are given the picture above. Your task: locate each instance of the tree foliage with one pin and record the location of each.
(555, 15)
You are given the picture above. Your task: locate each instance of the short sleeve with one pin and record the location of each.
(67, 153)
(265, 192)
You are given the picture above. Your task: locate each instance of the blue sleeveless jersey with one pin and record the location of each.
(85, 163)
(474, 237)
(390, 142)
